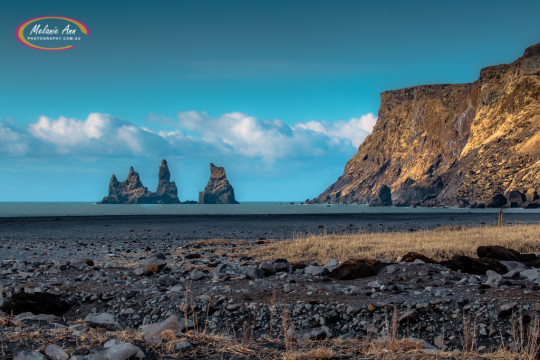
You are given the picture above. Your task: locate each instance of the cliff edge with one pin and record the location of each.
(474, 144)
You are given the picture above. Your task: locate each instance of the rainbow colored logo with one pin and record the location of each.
(62, 34)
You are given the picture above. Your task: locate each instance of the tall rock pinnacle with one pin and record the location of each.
(166, 192)
(218, 190)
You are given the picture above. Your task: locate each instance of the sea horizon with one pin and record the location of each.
(44, 209)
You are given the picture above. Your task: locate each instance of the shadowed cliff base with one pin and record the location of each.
(469, 145)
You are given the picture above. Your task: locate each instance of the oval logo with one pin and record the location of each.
(51, 33)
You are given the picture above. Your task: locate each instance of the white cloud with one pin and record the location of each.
(355, 130)
(197, 134)
(11, 141)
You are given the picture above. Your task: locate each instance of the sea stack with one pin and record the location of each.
(166, 192)
(132, 191)
(218, 190)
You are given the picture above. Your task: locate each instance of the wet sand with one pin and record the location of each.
(247, 227)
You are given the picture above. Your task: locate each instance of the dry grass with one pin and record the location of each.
(438, 244)
(320, 353)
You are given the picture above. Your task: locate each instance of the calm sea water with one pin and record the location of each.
(14, 209)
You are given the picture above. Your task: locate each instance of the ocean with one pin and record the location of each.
(35, 209)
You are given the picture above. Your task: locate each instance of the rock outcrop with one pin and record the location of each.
(218, 190)
(455, 145)
(132, 191)
(166, 192)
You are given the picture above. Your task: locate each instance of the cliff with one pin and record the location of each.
(459, 145)
(132, 191)
(218, 190)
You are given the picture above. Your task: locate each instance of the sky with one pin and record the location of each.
(280, 93)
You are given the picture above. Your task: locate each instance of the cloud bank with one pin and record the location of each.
(191, 134)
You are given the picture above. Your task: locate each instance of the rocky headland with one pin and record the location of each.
(132, 191)
(471, 145)
(218, 190)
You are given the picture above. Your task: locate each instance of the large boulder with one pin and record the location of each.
(356, 268)
(218, 190)
(498, 252)
(469, 265)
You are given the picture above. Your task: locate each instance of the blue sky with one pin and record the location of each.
(279, 92)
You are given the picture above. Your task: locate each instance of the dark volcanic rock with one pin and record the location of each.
(166, 192)
(498, 252)
(412, 256)
(474, 266)
(356, 268)
(516, 198)
(38, 303)
(218, 190)
(452, 144)
(132, 191)
(384, 197)
(496, 201)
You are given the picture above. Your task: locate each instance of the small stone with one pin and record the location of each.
(183, 346)
(55, 352)
(29, 355)
(103, 320)
(493, 279)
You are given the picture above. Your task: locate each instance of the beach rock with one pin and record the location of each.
(29, 355)
(506, 310)
(103, 320)
(118, 350)
(253, 273)
(36, 303)
(493, 279)
(356, 268)
(514, 265)
(469, 265)
(303, 335)
(281, 265)
(183, 346)
(412, 256)
(331, 265)
(531, 274)
(132, 191)
(55, 352)
(498, 252)
(196, 275)
(267, 268)
(314, 270)
(153, 265)
(154, 330)
(79, 264)
(218, 190)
